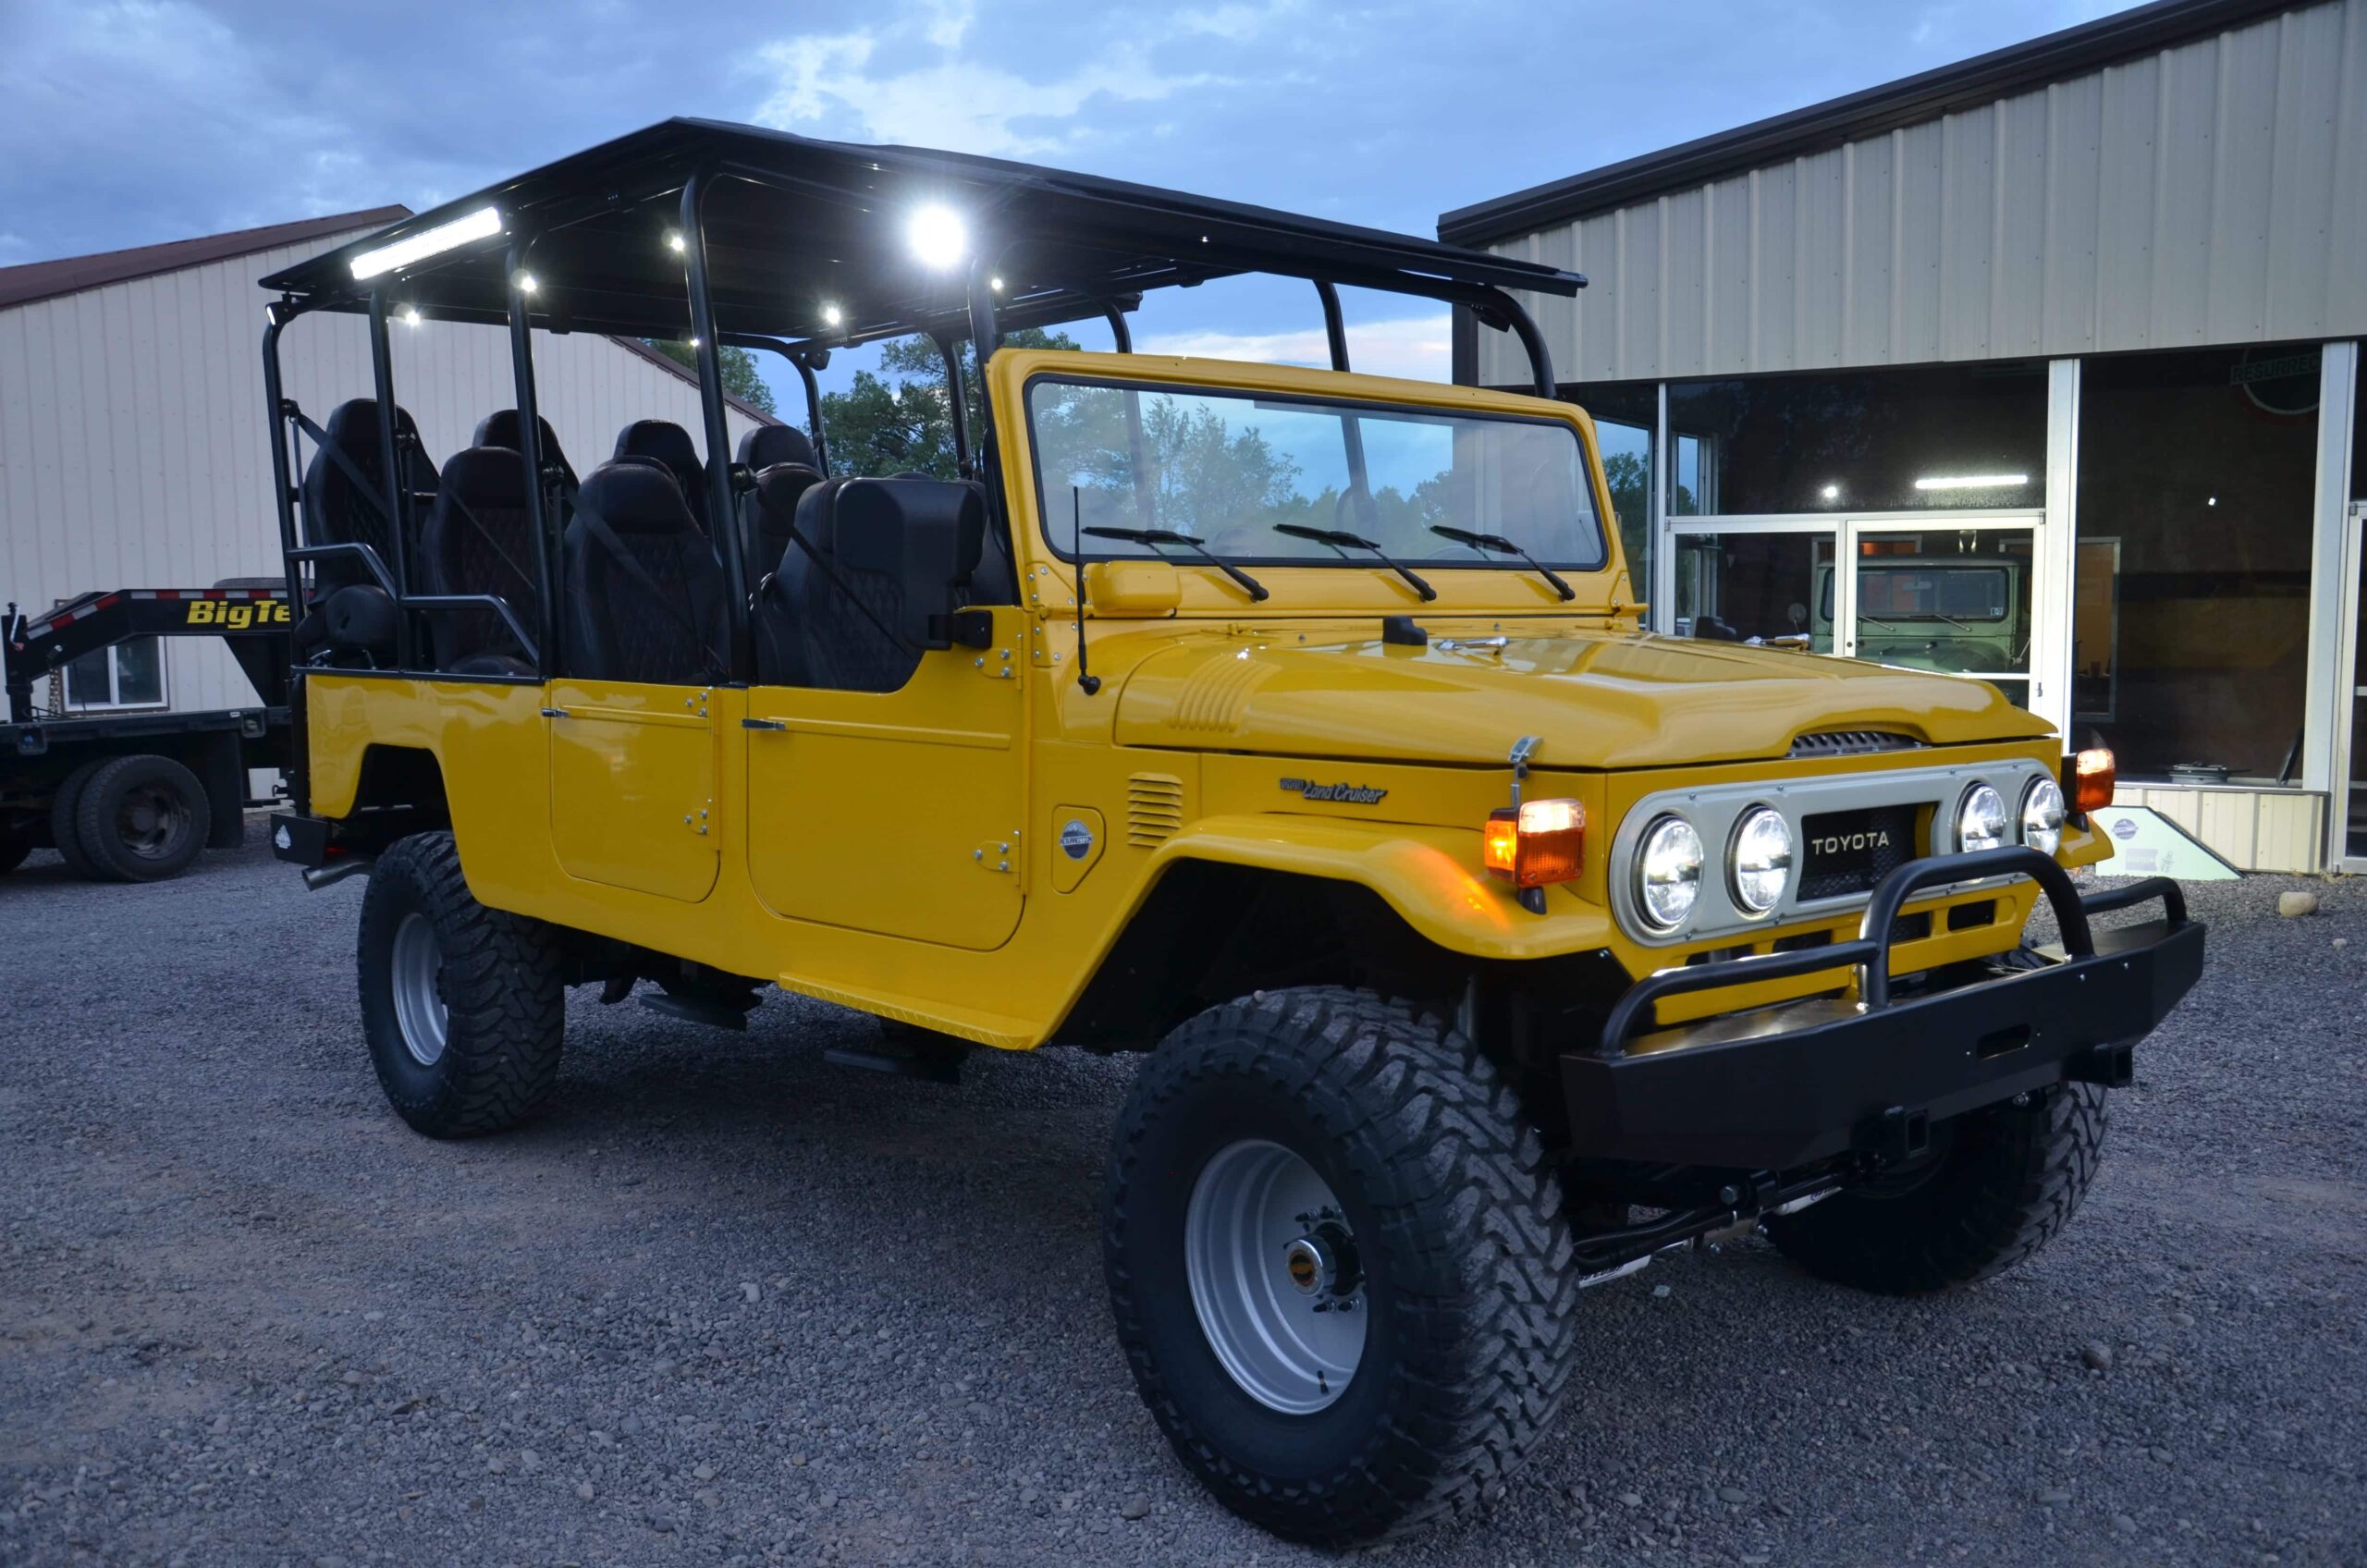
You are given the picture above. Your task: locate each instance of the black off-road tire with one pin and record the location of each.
(1457, 1216)
(64, 834)
(120, 849)
(499, 982)
(2001, 1184)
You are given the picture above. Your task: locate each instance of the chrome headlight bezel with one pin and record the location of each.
(2040, 796)
(1663, 841)
(1993, 825)
(1769, 858)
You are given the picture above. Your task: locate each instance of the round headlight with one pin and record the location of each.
(1762, 859)
(2043, 815)
(1980, 819)
(1668, 872)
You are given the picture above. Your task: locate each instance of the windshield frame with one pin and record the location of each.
(1336, 403)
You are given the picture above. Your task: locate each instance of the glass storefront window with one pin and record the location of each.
(1624, 413)
(1941, 438)
(2191, 612)
(1954, 601)
(1755, 588)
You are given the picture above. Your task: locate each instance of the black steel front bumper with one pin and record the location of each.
(1781, 1087)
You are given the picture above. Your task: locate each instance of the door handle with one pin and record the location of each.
(763, 724)
(554, 713)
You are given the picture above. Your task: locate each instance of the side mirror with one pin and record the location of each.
(1799, 613)
(927, 533)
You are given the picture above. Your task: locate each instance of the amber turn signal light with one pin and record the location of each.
(1535, 842)
(2089, 779)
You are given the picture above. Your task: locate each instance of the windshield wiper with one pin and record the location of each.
(1505, 546)
(1152, 538)
(1342, 540)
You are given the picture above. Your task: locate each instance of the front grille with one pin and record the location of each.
(1848, 852)
(1851, 744)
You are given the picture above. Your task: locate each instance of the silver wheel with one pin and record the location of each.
(1275, 1277)
(417, 965)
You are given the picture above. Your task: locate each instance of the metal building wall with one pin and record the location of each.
(134, 444)
(2214, 192)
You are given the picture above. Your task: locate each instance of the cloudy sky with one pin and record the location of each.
(125, 122)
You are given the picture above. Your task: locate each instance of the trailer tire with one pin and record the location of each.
(2007, 1180)
(63, 836)
(140, 819)
(1436, 1216)
(462, 1005)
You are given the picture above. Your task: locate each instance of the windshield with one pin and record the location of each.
(1928, 592)
(1229, 467)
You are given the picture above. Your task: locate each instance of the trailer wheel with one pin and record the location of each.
(140, 819)
(1338, 1262)
(64, 834)
(1996, 1187)
(462, 1005)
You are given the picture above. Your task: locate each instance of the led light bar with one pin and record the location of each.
(482, 224)
(1973, 481)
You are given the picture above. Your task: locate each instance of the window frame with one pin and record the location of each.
(114, 703)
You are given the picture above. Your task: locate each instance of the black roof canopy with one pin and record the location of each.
(795, 226)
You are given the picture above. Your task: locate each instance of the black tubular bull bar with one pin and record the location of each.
(1779, 1087)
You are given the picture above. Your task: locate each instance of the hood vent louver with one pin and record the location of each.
(1850, 743)
(1154, 809)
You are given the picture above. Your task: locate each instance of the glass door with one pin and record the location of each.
(1952, 595)
(1752, 583)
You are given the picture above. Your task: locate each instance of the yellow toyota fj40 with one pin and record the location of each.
(1295, 727)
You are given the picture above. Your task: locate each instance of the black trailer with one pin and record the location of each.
(133, 797)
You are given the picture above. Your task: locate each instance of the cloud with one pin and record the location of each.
(1416, 347)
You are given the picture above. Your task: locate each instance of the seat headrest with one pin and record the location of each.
(353, 425)
(658, 438)
(635, 496)
(487, 476)
(500, 429)
(765, 445)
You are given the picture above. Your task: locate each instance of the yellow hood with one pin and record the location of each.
(1598, 700)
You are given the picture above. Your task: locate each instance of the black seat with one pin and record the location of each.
(500, 429)
(668, 444)
(643, 597)
(480, 539)
(875, 570)
(344, 493)
(781, 459)
(765, 445)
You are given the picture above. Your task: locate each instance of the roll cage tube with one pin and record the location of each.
(719, 467)
(542, 518)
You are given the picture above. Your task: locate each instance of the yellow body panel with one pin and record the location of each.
(902, 852)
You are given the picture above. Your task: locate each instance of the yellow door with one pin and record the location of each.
(633, 786)
(896, 811)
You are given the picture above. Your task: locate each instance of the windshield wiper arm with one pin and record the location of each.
(1152, 538)
(1342, 540)
(1505, 546)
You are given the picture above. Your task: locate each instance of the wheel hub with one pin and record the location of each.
(416, 974)
(1275, 1278)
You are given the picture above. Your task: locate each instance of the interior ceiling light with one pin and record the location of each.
(411, 315)
(482, 224)
(937, 237)
(526, 284)
(832, 315)
(1973, 481)
(675, 242)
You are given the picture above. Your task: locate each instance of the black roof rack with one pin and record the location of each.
(797, 228)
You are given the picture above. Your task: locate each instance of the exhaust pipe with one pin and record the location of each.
(320, 876)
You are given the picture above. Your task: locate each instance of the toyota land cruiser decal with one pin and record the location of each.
(1345, 794)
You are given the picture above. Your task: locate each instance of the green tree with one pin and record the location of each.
(898, 420)
(740, 377)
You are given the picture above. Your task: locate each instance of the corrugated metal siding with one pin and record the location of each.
(2215, 192)
(133, 444)
(2252, 831)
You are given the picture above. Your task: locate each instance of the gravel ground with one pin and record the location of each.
(728, 1303)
